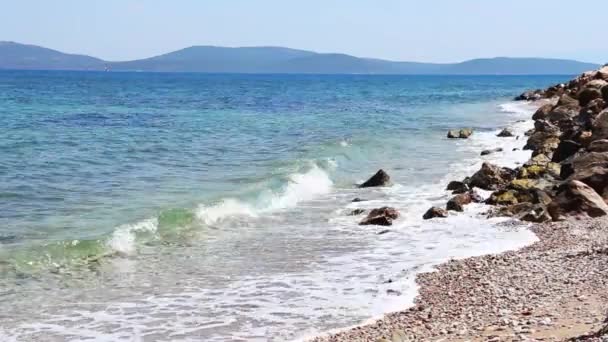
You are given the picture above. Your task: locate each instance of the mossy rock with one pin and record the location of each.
(534, 171)
(503, 197)
(554, 169)
(523, 184)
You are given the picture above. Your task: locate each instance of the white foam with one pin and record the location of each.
(123, 238)
(300, 187)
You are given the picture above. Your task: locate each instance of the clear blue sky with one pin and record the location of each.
(416, 30)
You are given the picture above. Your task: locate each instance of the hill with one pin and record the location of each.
(21, 56)
(214, 59)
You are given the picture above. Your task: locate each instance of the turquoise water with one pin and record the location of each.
(123, 188)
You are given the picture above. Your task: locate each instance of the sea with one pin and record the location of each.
(217, 207)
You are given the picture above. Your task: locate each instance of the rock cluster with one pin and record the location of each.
(567, 175)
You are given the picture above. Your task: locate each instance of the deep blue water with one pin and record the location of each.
(84, 152)
(131, 188)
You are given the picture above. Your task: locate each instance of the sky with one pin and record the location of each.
(405, 30)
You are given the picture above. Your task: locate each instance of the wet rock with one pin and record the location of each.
(475, 196)
(542, 112)
(576, 199)
(505, 133)
(381, 178)
(460, 134)
(457, 187)
(526, 212)
(435, 212)
(458, 202)
(381, 217)
(491, 177)
(565, 150)
(486, 152)
(358, 200)
(356, 212)
(531, 95)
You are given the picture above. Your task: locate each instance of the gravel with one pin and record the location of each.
(553, 290)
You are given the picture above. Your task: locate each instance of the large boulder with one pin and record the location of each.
(542, 143)
(581, 161)
(380, 217)
(587, 95)
(491, 177)
(435, 212)
(602, 73)
(494, 150)
(381, 178)
(595, 176)
(598, 146)
(546, 127)
(458, 202)
(562, 113)
(595, 84)
(600, 126)
(567, 100)
(604, 92)
(505, 133)
(542, 112)
(576, 199)
(564, 150)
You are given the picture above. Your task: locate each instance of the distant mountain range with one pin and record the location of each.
(212, 59)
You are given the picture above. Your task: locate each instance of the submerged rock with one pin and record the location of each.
(486, 152)
(356, 212)
(460, 134)
(458, 202)
(576, 199)
(381, 217)
(435, 212)
(381, 178)
(531, 95)
(505, 133)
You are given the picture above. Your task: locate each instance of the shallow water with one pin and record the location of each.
(165, 207)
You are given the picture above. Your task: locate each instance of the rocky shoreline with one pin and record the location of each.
(553, 290)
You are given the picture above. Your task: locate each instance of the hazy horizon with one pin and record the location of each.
(120, 30)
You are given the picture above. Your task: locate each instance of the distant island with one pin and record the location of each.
(277, 60)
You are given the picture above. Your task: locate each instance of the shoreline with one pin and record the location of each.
(552, 289)
(480, 298)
